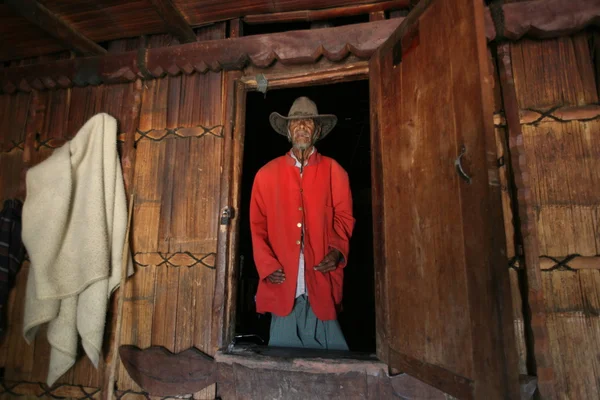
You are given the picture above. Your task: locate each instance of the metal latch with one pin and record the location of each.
(226, 215)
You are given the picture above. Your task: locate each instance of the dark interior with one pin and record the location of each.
(349, 144)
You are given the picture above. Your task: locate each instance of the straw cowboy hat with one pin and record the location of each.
(303, 108)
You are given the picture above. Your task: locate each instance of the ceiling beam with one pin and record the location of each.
(174, 20)
(67, 35)
(523, 19)
(329, 13)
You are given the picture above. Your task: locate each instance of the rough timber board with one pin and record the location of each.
(456, 253)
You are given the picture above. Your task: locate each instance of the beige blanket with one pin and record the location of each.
(74, 222)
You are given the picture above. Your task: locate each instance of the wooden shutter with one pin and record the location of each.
(443, 300)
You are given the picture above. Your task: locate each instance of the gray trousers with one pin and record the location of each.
(302, 328)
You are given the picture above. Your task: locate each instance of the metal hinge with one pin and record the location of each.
(226, 215)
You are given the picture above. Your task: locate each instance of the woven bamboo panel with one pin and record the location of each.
(177, 183)
(564, 161)
(554, 72)
(573, 306)
(563, 158)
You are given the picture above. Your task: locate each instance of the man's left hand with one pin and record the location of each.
(330, 261)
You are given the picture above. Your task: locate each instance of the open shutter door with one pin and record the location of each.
(443, 305)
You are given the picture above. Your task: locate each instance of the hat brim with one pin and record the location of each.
(280, 123)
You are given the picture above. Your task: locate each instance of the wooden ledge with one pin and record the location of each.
(303, 360)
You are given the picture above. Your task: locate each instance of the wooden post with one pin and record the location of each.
(528, 226)
(131, 121)
(109, 384)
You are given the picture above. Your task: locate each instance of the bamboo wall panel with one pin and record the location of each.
(27, 138)
(573, 306)
(565, 164)
(554, 72)
(563, 158)
(177, 182)
(504, 175)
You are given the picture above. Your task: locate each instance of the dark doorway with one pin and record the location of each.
(348, 144)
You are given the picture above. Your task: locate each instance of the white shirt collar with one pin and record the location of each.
(298, 161)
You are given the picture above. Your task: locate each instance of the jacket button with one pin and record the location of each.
(300, 190)
(299, 225)
(297, 242)
(300, 208)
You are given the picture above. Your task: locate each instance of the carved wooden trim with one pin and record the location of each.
(160, 372)
(541, 19)
(178, 259)
(288, 48)
(534, 18)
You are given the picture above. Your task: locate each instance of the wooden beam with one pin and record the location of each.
(287, 48)
(175, 21)
(542, 19)
(69, 37)
(377, 16)
(331, 13)
(525, 214)
(262, 51)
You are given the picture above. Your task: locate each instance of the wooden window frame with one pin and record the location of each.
(237, 86)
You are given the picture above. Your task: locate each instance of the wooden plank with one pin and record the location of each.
(137, 317)
(164, 317)
(66, 34)
(223, 313)
(329, 13)
(203, 313)
(174, 21)
(378, 91)
(528, 227)
(453, 237)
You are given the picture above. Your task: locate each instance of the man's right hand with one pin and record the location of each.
(277, 277)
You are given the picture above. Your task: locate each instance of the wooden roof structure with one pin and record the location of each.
(32, 28)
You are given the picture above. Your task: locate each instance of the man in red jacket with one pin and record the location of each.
(301, 222)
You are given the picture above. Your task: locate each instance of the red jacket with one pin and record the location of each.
(281, 203)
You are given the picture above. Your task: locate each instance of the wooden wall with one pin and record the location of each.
(179, 149)
(556, 90)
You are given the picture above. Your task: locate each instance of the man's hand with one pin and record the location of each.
(277, 277)
(330, 261)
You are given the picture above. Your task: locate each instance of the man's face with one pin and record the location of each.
(301, 132)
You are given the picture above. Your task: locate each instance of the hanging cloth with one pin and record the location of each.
(74, 223)
(12, 253)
